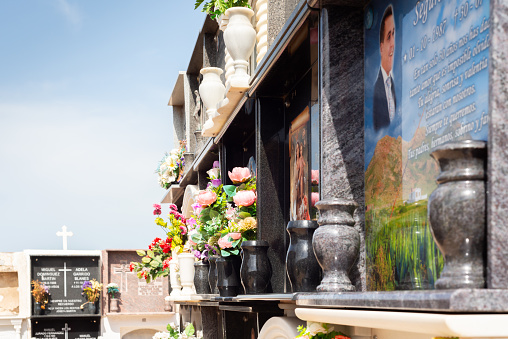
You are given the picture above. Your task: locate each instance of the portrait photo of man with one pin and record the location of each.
(384, 102)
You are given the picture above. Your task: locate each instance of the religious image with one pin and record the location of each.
(299, 167)
(426, 83)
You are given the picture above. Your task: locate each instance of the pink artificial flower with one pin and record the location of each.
(206, 198)
(157, 209)
(239, 175)
(191, 224)
(244, 198)
(314, 198)
(183, 229)
(224, 243)
(230, 213)
(341, 337)
(173, 207)
(235, 235)
(315, 176)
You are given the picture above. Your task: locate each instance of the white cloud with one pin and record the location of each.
(70, 12)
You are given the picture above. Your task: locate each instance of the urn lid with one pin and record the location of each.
(302, 224)
(255, 243)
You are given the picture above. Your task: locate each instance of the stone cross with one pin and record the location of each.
(66, 329)
(64, 234)
(123, 270)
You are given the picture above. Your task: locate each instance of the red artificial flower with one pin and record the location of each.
(165, 263)
(166, 246)
(157, 209)
(341, 337)
(131, 266)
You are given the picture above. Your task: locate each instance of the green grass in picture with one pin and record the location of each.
(401, 253)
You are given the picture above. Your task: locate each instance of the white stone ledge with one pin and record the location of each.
(436, 324)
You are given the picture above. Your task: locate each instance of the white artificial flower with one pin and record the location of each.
(173, 326)
(199, 334)
(315, 328)
(161, 335)
(213, 173)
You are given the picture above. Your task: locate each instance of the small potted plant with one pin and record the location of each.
(41, 294)
(173, 332)
(112, 288)
(92, 291)
(170, 169)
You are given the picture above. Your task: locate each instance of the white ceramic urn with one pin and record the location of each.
(211, 91)
(186, 262)
(174, 276)
(240, 39)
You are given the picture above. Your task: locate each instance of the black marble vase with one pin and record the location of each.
(228, 275)
(256, 271)
(212, 274)
(336, 244)
(201, 284)
(457, 213)
(301, 264)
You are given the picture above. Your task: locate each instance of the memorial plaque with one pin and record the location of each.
(66, 328)
(65, 276)
(426, 83)
(135, 294)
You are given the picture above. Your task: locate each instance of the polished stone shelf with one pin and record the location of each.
(450, 301)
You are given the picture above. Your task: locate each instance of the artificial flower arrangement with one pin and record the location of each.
(91, 290)
(155, 261)
(40, 293)
(218, 7)
(222, 226)
(314, 196)
(315, 330)
(173, 333)
(112, 288)
(170, 168)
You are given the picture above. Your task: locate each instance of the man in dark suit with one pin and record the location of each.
(383, 107)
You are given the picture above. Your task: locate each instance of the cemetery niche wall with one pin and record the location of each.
(426, 83)
(63, 316)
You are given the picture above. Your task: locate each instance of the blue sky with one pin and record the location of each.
(84, 120)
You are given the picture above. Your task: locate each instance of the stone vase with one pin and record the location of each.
(113, 305)
(240, 40)
(201, 283)
(228, 275)
(186, 262)
(456, 211)
(212, 274)
(211, 91)
(174, 275)
(256, 271)
(302, 266)
(336, 244)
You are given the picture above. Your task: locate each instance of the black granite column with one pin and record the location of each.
(342, 116)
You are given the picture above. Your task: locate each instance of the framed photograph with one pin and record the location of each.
(299, 167)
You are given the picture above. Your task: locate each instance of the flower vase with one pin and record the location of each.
(38, 310)
(336, 244)
(212, 274)
(228, 275)
(186, 262)
(113, 305)
(256, 271)
(456, 212)
(240, 40)
(90, 308)
(174, 275)
(301, 264)
(201, 283)
(211, 91)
